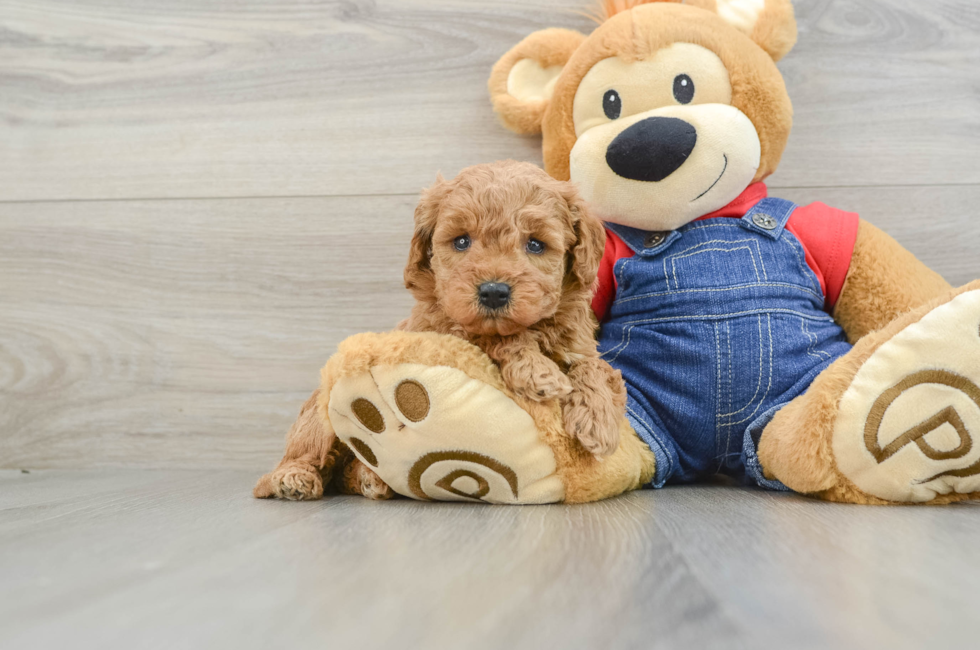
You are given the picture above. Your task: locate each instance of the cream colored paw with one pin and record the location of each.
(432, 432)
(908, 428)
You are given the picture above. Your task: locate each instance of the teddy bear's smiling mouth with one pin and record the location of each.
(723, 170)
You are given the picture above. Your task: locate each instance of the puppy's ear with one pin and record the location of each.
(590, 242)
(418, 275)
(522, 80)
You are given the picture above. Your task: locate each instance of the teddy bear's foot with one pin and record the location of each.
(430, 416)
(908, 428)
(895, 420)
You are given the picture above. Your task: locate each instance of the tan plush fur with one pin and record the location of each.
(796, 446)
(887, 288)
(543, 339)
(775, 30)
(884, 281)
(636, 31)
(549, 47)
(586, 478)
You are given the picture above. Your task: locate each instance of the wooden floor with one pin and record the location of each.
(184, 559)
(200, 198)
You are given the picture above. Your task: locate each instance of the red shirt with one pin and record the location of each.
(827, 235)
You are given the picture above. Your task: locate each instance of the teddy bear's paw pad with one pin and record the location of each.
(908, 428)
(434, 433)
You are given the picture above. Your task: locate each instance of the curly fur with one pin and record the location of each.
(542, 340)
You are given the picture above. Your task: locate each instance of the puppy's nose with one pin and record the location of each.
(652, 149)
(494, 295)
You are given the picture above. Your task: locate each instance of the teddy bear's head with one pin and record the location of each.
(665, 113)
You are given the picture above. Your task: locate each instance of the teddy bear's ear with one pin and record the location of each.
(522, 80)
(770, 23)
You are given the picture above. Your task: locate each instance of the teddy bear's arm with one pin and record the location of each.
(884, 280)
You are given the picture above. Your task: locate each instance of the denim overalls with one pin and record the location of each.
(715, 326)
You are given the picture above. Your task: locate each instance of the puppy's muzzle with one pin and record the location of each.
(494, 295)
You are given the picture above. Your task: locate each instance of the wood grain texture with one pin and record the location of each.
(188, 333)
(164, 559)
(184, 98)
(183, 332)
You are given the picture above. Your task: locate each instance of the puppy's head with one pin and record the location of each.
(501, 247)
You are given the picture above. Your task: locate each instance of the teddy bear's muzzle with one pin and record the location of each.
(652, 149)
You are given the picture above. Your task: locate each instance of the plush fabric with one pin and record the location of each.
(894, 419)
(472, 425)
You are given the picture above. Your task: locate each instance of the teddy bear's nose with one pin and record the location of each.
(652, 149)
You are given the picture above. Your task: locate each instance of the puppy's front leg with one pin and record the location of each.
(593, 410)
(527, 372)
(312, 454)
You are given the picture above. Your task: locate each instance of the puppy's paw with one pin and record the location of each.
(374, 488)
(593, 422)
(294, 482)
(549, 384)
(358, 478)
(538, 380)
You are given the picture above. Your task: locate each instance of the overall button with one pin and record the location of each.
(654, 239)
(763, 220)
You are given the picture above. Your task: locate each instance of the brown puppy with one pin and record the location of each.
(505, 257)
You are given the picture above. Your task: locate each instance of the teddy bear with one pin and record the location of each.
(790, 347)
(793, 348)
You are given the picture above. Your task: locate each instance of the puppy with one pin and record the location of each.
(505, 257)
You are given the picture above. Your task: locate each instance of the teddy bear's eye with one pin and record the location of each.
(612, 106)
(683, 89)
(461, 243)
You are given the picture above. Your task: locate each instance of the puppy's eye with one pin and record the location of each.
(461, 243)
(612, 105)
(534, 246)
(683, 89)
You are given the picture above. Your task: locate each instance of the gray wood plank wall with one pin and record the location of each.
(200, 198)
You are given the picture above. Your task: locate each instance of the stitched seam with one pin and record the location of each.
(657, 294)
(816, 354)
(805, 270)
(823, 318)
(734, 224)
(642, 422)
(758, 385)
(717, 380)
(718, 387)
(624, 341)
(713, 241)
(762, 262)
(622, 269)
(755, 268)
(728, 332)
(769, 387)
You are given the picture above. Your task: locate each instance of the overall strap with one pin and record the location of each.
(769, 217)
